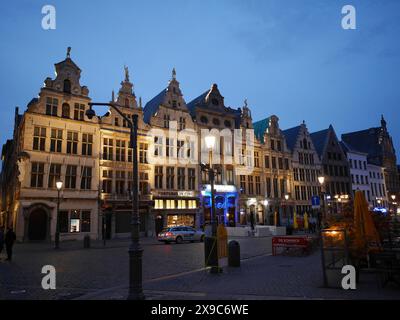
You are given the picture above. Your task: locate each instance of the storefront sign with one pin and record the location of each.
(289, 242)
(175, 193)
(219, 188)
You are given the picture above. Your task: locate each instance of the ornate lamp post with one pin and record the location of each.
(285, 210)
(213, 254)
(135, 250)
(393, 203)
(59, 185)
(321, 180)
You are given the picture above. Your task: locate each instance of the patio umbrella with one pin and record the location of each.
(275, 218)
(305, 221)
(366, 235)
(295, 226)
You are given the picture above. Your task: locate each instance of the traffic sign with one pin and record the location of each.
(315, 202)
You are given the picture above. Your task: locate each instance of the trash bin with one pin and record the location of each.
(86, 241)
(234, 254)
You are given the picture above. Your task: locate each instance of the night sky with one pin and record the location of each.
(289, 58)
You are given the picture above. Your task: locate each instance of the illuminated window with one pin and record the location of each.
(75, 221)
(170, 204)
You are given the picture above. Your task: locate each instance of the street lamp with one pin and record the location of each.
(286, 213)
(135, 250)
(321, 180)
(59, 185)
(212, 252)
(393, 203)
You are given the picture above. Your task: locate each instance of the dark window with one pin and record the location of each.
(72, 142)
(158, 177)
(87, 144)
(216, 121)
(203, 119)
(39, 138)
(192, 178)
(66, 112)
(51, 106)
(67, 86)
(85, 221)
(70, 177)
(63, 221)
(227, 123)
(37, 173)
(56, 140)
(54, 174)
(86, 178)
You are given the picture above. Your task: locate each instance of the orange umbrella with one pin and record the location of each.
(366, 235)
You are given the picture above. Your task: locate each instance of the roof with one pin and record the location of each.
(192, 104)
(260, 127)
(291, 136)
(348, 148)
(366, 141)
(152, 106)
(319, 140)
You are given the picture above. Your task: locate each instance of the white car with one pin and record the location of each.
(180, 234)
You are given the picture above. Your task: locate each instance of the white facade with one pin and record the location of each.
(359, 173)
(378, 187)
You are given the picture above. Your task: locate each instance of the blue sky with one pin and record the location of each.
(287, 57)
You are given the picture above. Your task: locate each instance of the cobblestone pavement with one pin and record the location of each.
(264, 277)
(84, 271)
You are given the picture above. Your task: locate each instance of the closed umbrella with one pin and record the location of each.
(305, 221)
(275, 218)
(366, 235)
(295, 226)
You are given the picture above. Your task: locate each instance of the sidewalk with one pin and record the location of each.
(264, 277)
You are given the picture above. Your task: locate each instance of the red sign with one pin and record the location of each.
(289, 242)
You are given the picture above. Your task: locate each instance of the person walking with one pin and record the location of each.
(10, 239)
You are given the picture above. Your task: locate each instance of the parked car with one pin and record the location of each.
(180, 234)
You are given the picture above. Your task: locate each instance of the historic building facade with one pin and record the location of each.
(53, 140)
(277, 177)
(378, 144)
(359, 174)
(174, 179)
(335, 167)
(260, 169)
(306, 167)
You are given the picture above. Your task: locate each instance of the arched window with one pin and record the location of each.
(67, 86)
(65, 110)
(127, 102)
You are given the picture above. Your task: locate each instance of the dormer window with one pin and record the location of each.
(215, 101)
(67, 86)
(227, 123)
(216, 121)
(174, 103)
(203, 119)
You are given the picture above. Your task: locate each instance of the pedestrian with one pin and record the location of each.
(9, 240)
(1, 239)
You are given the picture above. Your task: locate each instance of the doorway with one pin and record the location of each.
(159, 224)
(37, 229)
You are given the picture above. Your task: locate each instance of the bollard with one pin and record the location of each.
(234, 254)
(86, 241)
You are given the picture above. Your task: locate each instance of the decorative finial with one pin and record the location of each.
(245, 103)
(126, 73)
(173, 74)
(69, 52)
(304, 122)
(140, 102)
(383, 122)
(112, 96)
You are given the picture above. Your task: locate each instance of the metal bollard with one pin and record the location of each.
(86, 241)
(234, 254)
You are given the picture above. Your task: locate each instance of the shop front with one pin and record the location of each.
(176, 208)
(226, 204)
